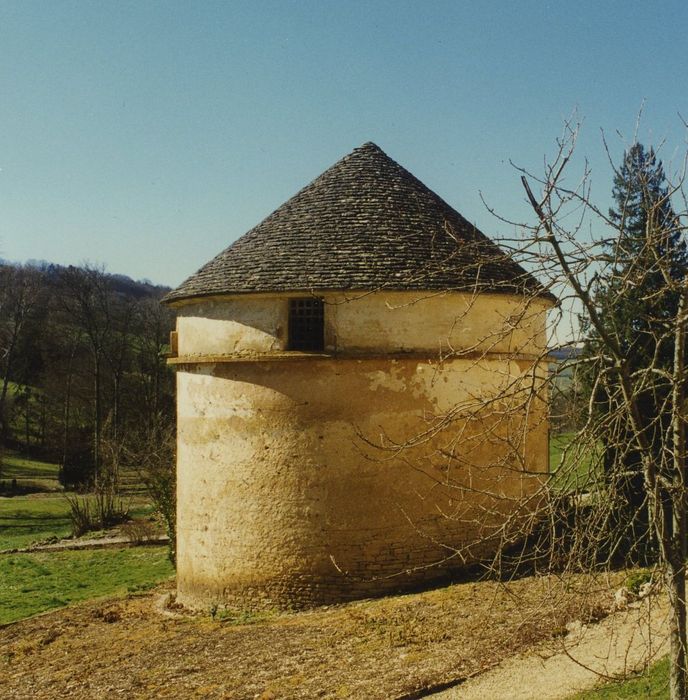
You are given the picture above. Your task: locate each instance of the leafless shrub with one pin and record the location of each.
(139, 530)
(102, 505)
(152, 452)
(93, 511)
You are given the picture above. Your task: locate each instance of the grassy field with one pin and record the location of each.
(577, 471)
(652, 685)
(37, 475)
(370, 649)
(28, 519)
(32, 583)
(35, 582)
(29, 473)
(15, 466)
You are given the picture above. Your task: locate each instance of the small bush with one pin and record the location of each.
(95, 511)
(80, 515)
(153, 453)
(139, 530)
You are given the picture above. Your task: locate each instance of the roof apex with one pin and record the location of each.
(368, 146)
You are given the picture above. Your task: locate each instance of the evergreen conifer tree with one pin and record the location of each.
(633, 299)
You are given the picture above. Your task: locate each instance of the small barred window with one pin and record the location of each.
(306, 324)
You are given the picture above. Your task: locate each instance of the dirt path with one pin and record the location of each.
(619, 644)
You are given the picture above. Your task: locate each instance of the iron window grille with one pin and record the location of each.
(306, 324)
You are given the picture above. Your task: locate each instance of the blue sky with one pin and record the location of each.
(149, 135)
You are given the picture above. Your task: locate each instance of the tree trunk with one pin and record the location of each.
(97, 415)
(116, 403)
(67, 409)
(27, 419)
(6, 383)
(675, 553)
(676, 586)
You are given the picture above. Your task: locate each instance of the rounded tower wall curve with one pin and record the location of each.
(312, 480)
(368, 322)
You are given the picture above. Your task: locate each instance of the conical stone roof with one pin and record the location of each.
(366, 223)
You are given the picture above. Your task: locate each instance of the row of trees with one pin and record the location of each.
(82, 353)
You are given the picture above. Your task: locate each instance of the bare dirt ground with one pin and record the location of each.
(387, 648)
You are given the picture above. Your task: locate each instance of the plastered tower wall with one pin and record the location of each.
(284, 496)
(367, 323)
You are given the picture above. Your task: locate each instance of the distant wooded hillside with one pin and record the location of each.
(82, 358)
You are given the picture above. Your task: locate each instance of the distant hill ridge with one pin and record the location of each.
(119, 283)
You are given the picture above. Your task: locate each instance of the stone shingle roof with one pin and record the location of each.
(366, 223)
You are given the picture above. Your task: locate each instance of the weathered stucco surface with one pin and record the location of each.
(289, 493)
(233, 325)
(373, 322)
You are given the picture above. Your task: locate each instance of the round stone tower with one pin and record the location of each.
(350, 391)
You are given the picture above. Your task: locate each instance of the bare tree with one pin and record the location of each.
(117, 348)
(151, 451)
(580, 514)
(19, 289)
(155, 322)
(623, 423)
(86, 299)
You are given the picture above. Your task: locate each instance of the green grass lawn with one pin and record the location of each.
(653, 685)
(576, 471)
(32, 583)
(27, 519)
(17, 467)
(29, 472)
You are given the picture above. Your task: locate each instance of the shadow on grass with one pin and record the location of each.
(24, 488)
(29, 515)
